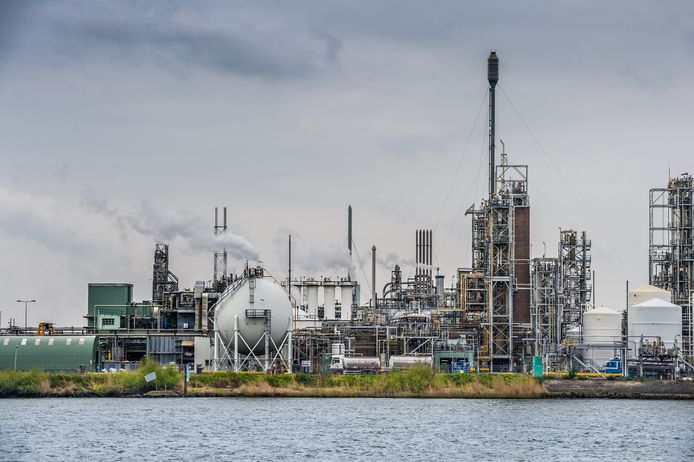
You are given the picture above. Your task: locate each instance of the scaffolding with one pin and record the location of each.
(543, 304)
(500, 235)
(671, 248)
(163, 280)
(220, 279)
(574, 279)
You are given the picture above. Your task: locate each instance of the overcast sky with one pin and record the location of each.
(126, 123)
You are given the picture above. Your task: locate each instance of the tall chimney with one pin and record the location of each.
(493, 78)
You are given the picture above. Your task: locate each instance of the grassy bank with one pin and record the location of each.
(416, 382)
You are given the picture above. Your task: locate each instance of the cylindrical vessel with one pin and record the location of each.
(645, 293)
(602, 333)
(329, 302)
(403, 362)
(270, 308)
(346, 302)
(653, 319)
(312, 301)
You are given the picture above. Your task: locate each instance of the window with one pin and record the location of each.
(82, 341)
(6, 342)
(108, 322)
(24, 341)
(50, 341)
(68, 341)
(37, 342)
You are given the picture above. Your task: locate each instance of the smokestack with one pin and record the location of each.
(373, 276)
(493, 78)
(349, 229)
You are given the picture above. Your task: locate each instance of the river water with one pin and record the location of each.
(240, 429)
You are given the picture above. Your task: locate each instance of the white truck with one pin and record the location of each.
(341, 364)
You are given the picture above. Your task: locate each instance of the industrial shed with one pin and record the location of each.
(48, 353)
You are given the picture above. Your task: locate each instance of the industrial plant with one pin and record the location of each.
(505, 311)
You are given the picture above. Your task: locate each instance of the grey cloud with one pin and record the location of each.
(180, 45)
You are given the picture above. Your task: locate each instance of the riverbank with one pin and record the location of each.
(412, 383)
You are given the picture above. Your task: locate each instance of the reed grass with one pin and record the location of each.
(418, 381)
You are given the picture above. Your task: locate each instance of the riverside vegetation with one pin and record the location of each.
(414, 382)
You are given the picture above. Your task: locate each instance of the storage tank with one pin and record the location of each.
(403, 362)
(646, 293)
(346, 302)
(602, 333)
(271, 304)
(329, 302)
(361, 365)
(654, 318)
(312, 300)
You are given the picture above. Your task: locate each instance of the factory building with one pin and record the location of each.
(504, 311)
(49, 353)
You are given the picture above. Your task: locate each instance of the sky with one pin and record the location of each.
(123, 124)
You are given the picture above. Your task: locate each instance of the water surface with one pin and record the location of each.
(359, 429)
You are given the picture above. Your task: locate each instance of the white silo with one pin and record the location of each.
(653, 319)
(329, 301)
(646, 293)
(312, 300)
(602, 334)
(346, 302)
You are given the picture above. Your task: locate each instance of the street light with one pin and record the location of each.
(26, 302)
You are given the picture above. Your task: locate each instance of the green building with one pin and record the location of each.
(49, 353)
(108, 302)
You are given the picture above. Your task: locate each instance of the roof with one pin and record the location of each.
(602, 310)
(655, 303)
(649, 288)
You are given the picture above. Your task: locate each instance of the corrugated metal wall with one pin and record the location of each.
(49, 353)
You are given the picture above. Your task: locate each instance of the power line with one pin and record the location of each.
(566, 184)
(460, 161)
(472, 187)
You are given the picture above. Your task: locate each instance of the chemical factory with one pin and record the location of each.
(504, 311)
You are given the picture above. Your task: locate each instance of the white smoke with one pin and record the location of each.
(165, 224)
(312, 259)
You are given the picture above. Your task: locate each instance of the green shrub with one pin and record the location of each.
(459, 379)
(279, 380)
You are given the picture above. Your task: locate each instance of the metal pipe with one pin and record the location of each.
(373, 277)
(289, 347)
(236, 343)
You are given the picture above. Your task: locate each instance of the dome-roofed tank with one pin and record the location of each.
(653, 319)
(269, 304)
(602, 333)
(645, 293)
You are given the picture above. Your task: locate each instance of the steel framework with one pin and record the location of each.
(544, 296)
(671, 248)
(495, 232)
(220, 279)
(574, 279)
(163, 280)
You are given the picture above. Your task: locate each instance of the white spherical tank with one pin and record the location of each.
(654, 318)
(267, 295)
(602, 327)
